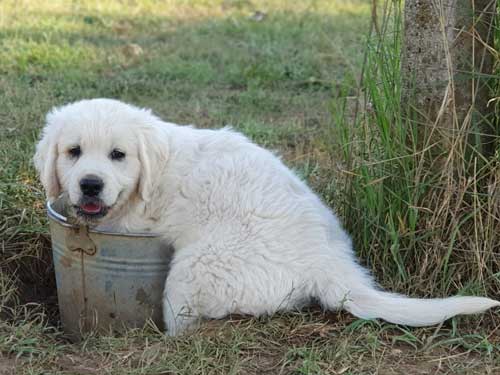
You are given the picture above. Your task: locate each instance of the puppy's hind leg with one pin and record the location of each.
(214, 279)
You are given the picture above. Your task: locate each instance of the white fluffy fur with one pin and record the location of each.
(250, 236)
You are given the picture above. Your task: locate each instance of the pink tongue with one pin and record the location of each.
(91, 208)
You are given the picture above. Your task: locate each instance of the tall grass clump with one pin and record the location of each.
(425, 214)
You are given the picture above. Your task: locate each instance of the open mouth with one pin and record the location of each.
(91, 208)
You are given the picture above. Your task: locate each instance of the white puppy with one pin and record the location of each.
(250, 237)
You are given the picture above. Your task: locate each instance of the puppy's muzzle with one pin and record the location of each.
(91, 185)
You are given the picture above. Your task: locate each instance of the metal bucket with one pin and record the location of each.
(106, 281)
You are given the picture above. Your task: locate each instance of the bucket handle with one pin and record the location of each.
(78, 239)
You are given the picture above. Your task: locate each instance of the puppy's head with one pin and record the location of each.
(99, 153)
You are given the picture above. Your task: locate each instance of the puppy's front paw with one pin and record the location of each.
(179, 321)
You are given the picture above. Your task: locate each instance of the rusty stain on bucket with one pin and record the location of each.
(106, 281)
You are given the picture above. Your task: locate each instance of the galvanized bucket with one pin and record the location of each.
(106, 281)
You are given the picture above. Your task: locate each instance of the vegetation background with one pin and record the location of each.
(310, 79)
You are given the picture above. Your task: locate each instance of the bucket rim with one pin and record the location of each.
(63, 221)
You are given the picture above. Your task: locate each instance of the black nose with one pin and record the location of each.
(91, 185)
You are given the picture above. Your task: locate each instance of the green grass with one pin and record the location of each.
(213, 63)
(426, 216)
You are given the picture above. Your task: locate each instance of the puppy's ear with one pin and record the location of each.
(153, 155)
(45, 163)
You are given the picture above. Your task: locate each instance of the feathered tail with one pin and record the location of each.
(345, 284)
(415, 312)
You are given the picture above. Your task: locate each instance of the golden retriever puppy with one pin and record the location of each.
(250, 237)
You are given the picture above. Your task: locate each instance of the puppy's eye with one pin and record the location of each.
(117, 154)
(75, 152)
